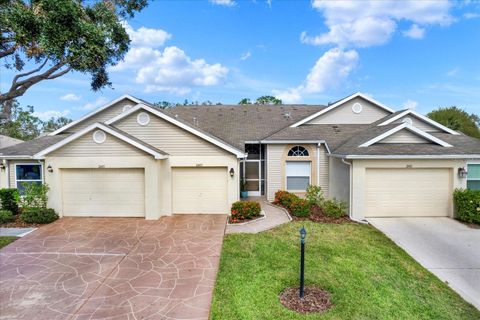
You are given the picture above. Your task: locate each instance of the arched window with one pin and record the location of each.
(298, 151)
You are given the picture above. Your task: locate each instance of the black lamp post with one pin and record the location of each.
(303, 234)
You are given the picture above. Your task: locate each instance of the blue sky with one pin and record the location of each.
(417, 54)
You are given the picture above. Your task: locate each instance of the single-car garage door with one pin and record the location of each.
(103, 192)
(199, 190)
(408, 192)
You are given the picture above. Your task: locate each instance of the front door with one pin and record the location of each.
(252, 177)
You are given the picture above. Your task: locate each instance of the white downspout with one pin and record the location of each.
(350, 213)
(318, 164)
(7, 171)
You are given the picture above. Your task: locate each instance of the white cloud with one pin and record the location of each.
(453, 72)
(471, 15)
(93, 105)
(70, 97)
(46, 115)
(146, 37)
(369, 23)
(331, 69)
(410, 104)
(245, 56)
(415, 32)
(226, 3)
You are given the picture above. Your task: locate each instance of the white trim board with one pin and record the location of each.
(94, 112)
(182, 125)
(339, 103)
(409, 128)
(421, 117)
(41, 154)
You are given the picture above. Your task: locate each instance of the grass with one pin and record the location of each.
(5, 240)
(368, 276)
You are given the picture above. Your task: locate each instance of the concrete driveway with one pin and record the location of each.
(115, 268)
(447, 248)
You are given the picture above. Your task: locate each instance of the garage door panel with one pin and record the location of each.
(408, 192)
(199, 190)
(103, 192)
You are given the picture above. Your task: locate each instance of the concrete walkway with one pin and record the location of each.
(445, 247)
(15, 232)
(274, 217)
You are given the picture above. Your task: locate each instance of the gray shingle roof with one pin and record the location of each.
(29, 148)
(236, 124)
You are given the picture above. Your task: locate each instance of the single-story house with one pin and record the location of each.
(130, 158)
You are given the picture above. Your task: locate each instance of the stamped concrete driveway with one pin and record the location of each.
(447, 248)
(113, 268)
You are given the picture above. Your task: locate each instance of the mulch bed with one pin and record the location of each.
(314, 300)
(235, 221)
(470, 224)
(18, 223)
(317, 215)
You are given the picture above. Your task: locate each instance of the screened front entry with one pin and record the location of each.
(252, 169)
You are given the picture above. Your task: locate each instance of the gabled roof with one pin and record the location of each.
(94, 112)
(405, 126)
(187, 127)
(158, 154)
(339, 103)
(406, 112)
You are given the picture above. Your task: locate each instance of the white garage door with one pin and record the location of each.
(199, 190)
(408, 192)
(103, 192)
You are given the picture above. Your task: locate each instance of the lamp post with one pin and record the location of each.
(303, 234)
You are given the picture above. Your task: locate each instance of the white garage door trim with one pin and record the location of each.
(408, 192)
(201, 190)
(118, 192)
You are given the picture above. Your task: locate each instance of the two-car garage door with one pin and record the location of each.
(402, 192)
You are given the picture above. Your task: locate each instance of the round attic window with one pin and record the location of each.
(127, 107)
(99, 136)
(357, 108)
(408, 121)
(143, 118)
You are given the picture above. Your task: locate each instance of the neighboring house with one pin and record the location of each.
(130, 158)
(6, 141)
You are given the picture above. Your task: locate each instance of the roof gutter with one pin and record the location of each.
(408, 156)
(15, 157)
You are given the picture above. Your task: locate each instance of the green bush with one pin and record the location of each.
(38, 215)
(9, 200)
(295, 205)
(467, 205)
(334, 208)
(6, 216)
(315, 195)
(242, 210)
(34, 195)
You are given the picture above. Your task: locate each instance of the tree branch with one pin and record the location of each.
(7, 52)
(20, 75)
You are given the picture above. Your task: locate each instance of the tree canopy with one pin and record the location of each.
(24, 125)
(457, 119)
(58, 36)
(262, 100)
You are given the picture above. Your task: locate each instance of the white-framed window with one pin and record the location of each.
(27, 173)
(473, 176)
(298, 151)
(297, 175)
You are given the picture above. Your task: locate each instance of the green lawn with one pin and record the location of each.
(6, 240)
(368, 276)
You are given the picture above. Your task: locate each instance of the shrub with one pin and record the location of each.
(467, 205)
(38, 215)
(315, 196)
(242, 210)
(34, 195)
(334, 208)
(9, 200)
(6, 216)
(294, 204)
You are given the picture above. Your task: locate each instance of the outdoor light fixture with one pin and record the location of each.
(49, 168)
(462, 173)
(303, 234)
(2, 166)
(232, 172)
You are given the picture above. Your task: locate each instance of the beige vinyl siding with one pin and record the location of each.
(408, 192)
(343, 114)
(11, 170)
(404, 136)
(103, 192)
(419, 123)
(274, 169)
(324, 171)
(168, 137)
(103, 115)
(85, 146)
(199, 190)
